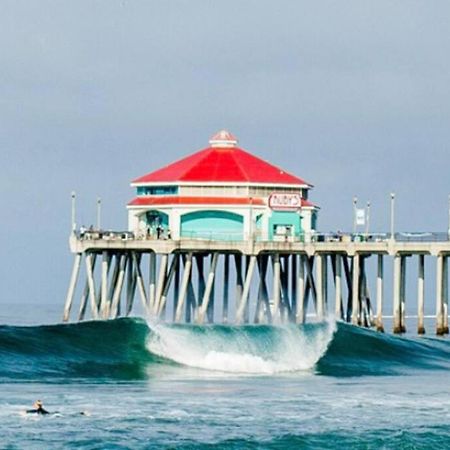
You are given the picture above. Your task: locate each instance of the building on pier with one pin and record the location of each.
(222, 193)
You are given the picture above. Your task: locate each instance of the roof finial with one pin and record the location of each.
(223, 139)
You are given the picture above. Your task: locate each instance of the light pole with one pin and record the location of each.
(73, 195)
(99, 212)
(367, 218)
(448, 231)
(355, 201)
(392, 214)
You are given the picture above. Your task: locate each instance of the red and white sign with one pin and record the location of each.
(285, 201)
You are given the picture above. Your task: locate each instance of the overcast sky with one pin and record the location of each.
(352, 96)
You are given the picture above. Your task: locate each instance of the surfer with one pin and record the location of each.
(37, 409)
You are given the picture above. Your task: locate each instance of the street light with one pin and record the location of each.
(392, 214)
(448, 232)
(73, 195)
(355, 201)
(99, 212)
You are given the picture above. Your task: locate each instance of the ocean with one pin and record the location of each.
(136, 384)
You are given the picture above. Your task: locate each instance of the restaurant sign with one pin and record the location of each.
(285, 201)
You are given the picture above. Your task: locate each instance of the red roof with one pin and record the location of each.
(177, 200)
(223, 162)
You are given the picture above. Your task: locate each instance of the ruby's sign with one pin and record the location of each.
(285, 201)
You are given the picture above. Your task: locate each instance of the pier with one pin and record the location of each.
(213, 281)
(222, 236)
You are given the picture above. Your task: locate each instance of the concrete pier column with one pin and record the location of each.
(300, 294)
(131, 286)
(72, 286)
(152, 280)
(319, 286)
(397, 325)
(104, 285)
(440, 295)
(262, 304)
(421, 295)
(226, 287)
(167, 283)
(112, 284)
(355, 290)
(140, 280)
(445, 294)
(294, 275)
(380, 292)
(91, 284)
(176, 287)
(208, 289)
(239, 281)
(184, 287)
(338, 288)
(245, 292)
(276, 288)
(403, 294)
(325, 284)
(161, 278)
(118, 288)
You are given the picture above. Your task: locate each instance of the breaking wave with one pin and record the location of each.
(132, 349)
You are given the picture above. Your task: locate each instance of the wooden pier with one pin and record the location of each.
(246, 282)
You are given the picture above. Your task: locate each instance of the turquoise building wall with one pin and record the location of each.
(285, 218)
(220, 225)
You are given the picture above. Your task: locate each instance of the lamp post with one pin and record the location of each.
(367, 218)
(448, 231)
(99, 212)
(355, 201)
(392, 214)
(73, 224)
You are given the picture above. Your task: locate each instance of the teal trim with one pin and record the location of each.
(287, 223)
(215, 225)
(157, 190)
(314, 221)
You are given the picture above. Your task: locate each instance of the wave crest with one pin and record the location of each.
(246, 350)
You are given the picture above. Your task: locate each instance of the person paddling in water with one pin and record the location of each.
(38, 408)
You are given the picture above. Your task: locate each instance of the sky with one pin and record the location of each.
(352, 96)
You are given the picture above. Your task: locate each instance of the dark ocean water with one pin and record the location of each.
(143, 385)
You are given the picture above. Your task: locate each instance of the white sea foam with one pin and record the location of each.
(243, 350)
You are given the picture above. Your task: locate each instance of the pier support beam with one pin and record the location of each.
(208, 289)
(184, 286)
(226, 287)
(140, 281)
(276, 288)
(380, 292)
(421, 295)
(338, 311)
(445, 294)
(403, 294)
(356, 290)
(72, 286)
(91, 284)
(152, 281)
(440, 324)
(245, 292)
(397, 325)
(104, 285)
(161, 278)
(118, 288)
(320, 287)
(168, 281)
(300, 302)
